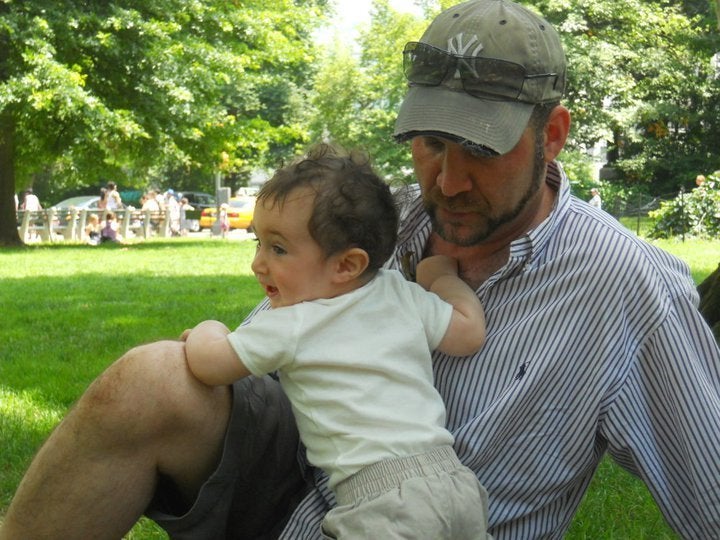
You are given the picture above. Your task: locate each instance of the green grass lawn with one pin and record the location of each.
(69, 311)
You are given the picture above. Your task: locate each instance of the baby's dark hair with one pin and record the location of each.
(353, 207)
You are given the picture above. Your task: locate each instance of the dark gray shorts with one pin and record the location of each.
(258, 481)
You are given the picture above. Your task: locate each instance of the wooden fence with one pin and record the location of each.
(53, 225)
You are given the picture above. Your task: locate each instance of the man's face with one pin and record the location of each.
(477, 199)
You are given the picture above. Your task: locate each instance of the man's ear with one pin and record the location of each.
(350, 264)
(557, 130)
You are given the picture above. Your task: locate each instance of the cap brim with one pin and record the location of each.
(497, 125)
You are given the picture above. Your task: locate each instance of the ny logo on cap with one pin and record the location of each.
(456, 47)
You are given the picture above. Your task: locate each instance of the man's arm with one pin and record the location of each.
(663, 424)
(466, 332)
(210, 356)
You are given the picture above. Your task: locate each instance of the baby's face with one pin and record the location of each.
(289, 264)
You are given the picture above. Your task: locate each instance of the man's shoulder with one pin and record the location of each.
(612, 249)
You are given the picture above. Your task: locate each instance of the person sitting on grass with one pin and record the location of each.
(109, 232)
(354, 351)
(92, 230)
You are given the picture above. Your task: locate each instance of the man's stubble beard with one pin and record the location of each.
(479, 235)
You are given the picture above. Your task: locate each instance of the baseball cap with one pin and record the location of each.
(477, 73)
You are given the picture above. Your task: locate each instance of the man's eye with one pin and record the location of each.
(434, 144)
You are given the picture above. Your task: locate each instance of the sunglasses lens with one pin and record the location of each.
(424, 64)
(481, 77)
(487, 77)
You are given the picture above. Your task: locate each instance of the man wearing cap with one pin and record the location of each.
(533, 412)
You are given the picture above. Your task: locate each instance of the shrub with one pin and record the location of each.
(696, 213)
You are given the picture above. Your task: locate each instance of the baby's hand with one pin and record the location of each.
(432, 268)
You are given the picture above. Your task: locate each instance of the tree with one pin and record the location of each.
(132, 89)
(641, 78)
(357, 93)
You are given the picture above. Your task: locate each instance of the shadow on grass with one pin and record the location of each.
(60, 332)
(69, 328)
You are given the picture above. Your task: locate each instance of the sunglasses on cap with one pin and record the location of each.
(488, 78)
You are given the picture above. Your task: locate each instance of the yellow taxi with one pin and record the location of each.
(240, 214)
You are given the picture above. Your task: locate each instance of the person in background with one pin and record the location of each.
(172, 207)
(30, 201)
(91, 234)
(154, 206)
(595, 200)
(102, 203)
(110, 227)
(113, 201)
(185, 223)
(224, 219)
(376, 428)
(533, 412)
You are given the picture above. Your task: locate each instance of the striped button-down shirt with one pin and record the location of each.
(594, 344)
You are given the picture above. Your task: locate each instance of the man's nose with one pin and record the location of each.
(456, 172)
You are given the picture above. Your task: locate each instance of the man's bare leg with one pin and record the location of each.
(95, 475)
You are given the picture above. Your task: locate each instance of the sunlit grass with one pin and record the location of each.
(69, 311)
(703, 256)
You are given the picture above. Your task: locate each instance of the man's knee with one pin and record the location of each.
(151, 390)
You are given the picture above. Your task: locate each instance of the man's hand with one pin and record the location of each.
(432, 268)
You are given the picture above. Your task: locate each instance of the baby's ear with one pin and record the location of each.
(350, 264)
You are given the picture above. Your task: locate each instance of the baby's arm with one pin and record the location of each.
(210, 356)
(466, 332)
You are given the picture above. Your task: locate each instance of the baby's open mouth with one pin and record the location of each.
(270, 290)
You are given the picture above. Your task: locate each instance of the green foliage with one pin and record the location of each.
(357, 93)
(621, 199)
(173, 90)
(641, 78)
(131, 90)
(578, 167)
(696, 213)
(618, 199)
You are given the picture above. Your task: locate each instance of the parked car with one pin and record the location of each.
(89, 202)
(64, 209)
(240, 214)
(198, 200)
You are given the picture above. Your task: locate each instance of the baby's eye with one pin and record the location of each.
(278, 250)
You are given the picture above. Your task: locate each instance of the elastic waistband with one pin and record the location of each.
(389, 473)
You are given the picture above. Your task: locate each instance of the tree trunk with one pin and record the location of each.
(8, 218)
(710, 301)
